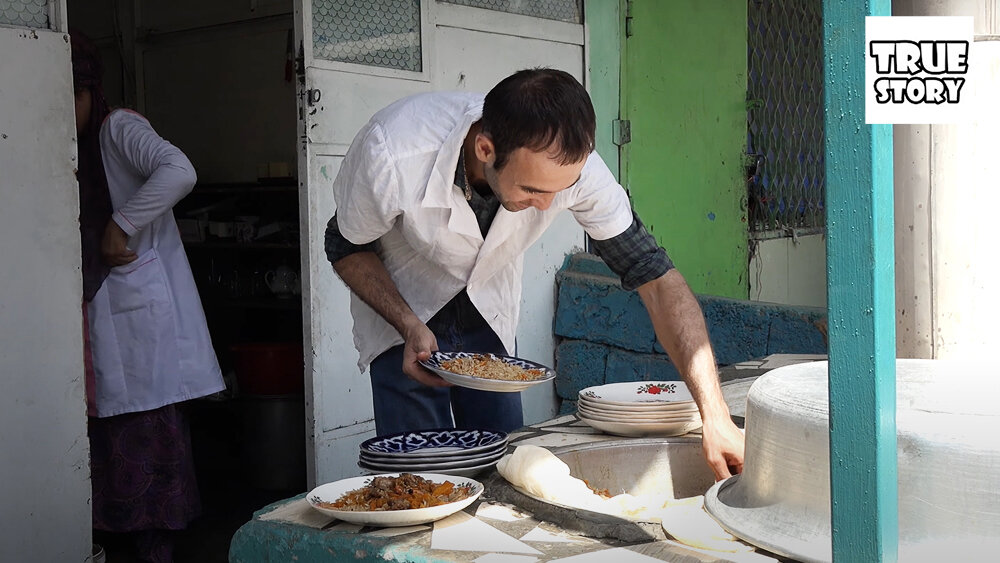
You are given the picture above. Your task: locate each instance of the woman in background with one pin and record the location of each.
(147, 342)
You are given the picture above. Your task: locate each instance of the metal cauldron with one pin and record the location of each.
(948, 463)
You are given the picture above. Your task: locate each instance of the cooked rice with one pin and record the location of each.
(405, 492)
(490, 367)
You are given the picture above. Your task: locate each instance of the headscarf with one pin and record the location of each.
(95, 199)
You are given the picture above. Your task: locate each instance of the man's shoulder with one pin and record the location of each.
(596, 173)
(434, 103)
(428, 114)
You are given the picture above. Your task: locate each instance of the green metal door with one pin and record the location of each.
(684, 92)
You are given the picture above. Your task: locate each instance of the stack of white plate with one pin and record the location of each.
(640, 408)
(452, 452)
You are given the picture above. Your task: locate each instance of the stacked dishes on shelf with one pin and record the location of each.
(640, 408)
(452, 452)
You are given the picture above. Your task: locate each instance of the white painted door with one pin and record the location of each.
(45, 485)
(357, 58)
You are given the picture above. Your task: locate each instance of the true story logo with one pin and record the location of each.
(917, 69)
(903, 67)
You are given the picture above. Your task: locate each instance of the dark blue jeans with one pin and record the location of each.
(402, 404)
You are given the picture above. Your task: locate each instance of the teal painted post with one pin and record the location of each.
(860, 278)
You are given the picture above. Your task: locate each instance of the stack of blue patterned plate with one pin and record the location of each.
(452, 452)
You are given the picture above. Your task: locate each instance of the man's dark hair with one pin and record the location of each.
(537, 109)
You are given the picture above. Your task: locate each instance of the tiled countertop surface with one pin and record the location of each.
(487, 531)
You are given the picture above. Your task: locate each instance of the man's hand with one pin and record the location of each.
(722, 443)
(114, 247)
(419, 343)
(367, 277)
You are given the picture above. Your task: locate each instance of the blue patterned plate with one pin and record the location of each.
(437, 359)
(435, 455)
(465, 471)
(424, 464)
(434, 443)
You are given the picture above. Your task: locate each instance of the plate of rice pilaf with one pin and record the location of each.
(488, 372)
(395, 499)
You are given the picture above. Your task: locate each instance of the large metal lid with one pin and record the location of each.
(948, 461)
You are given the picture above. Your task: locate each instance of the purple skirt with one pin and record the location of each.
(142, 471)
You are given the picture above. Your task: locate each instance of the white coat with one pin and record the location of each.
(149, 339)
(396, 184)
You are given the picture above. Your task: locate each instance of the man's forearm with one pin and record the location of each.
(680, 328)
(365, 274)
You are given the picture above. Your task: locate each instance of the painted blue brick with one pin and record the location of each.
(579, 364)
(593, 307)
(797, 332)
(629, 366)
(567, 407)
(588, 264)
(596, 309)
(738, 329)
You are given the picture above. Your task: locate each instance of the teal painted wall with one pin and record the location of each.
(684, 92)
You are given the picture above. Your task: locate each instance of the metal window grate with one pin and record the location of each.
(570, 11)
(785, 115)
(25, 13)
(383, 33)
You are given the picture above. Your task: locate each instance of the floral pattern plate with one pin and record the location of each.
(434, 443)
(638, 429)
(632, 416)
(641, 408)
(437, 359)
(330, 492)
(633, 393)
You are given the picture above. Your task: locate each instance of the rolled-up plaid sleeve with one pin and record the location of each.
(338, 247)
(634, 255)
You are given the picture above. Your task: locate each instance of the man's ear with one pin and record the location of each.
(485, 151)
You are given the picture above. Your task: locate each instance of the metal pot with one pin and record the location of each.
(948, 462)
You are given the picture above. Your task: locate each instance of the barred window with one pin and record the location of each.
(25, 13)
(785, 116)
(570, 11)
(382, 33)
